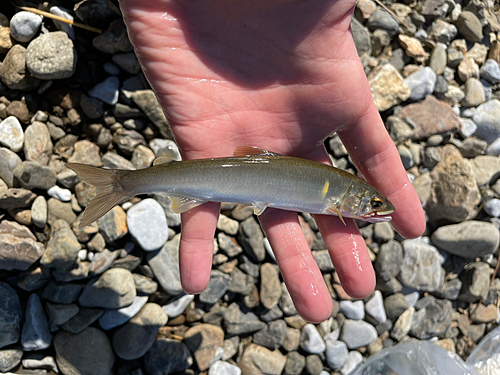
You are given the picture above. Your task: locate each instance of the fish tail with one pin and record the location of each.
(109, 193)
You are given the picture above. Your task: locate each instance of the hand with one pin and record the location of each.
(281, 75)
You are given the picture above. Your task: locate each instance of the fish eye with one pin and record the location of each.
(377, 202)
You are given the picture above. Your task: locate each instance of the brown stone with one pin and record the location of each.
(204, 340)
(413, 48)
(388, 87)
(18, 247)
(13, 72)
(484, 314)
(16, 198)
(430, 117)
(5, 40)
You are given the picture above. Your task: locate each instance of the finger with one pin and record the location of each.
(349, 255)
(298, 267)
(196, 246)
(376, 157)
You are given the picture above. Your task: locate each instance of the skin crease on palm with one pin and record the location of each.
(281, 75)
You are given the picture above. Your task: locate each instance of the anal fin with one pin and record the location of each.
(183, 204)
(259, 208)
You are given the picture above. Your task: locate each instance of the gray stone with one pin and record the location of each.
(92, 107)
(114, 39)
(469, 239)
(314, 364)
(32, 175)
(128, 62)
(406, 156)
(217, 286)
(311, 341)
(167, 356)
(144, 284)
(257, 360)
(375, 307)
(241, 282)
(18, 247)
(470, 27)
(295, 363)
(357, 333)
(383, 231)
(353, 310)
(381, 19)
(114, 289)
(62, 248)
(136, 337)
(395, 305)
(438, 58)
(142, 157)
(60, 314)
(492, 207)
(403, 324)
(147, 223)
(63, 26)
(36, 334)
(51, 56)
(251, 239)
(237, 322)
(11, 316)
(475, 282)
(113, 225)
(228, 245)
(116, 317)
(10, 358)
(39, 212)
(389, 260)
(11, 134)
(223, 368)
(83, 319)
(336, 354)
(443, 31)
(474, 93)
(24, 26)
(165, 266)
(272, 336)
(490, 71)
(361, 37)
(432, 320)
(353, 360)
(494, 148)
(485, 169)
(487, 118)
(9, 160)
(62, 292)
(467, 127)
(88, 352)
(178, 306)
(421, 267)
(205, 342)
(421, 83)
(147, 102)
(107, 91)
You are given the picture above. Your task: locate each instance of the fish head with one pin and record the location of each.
(363, 202)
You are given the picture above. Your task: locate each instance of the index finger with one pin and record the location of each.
(376, 157)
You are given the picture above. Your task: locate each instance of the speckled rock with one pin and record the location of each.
(11, 134)
(388, 87)
(24, 26)
(13, 71)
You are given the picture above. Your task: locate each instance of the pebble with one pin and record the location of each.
(375, 307)
(178, 306)
(270, 286)
(113, 225)
(63, 26)
(273, 336)
(11, 134)
(147, 224)
(92, 107)
(336, 354)
(257, 360)
(353, 360)
(107, 91)
(432, 320)
(167, 356)
(37, 143)
(467, 127)
(224, 368)
(18, 247)
(9, 160)
(353, 310)
(114, 39)
(475, 282)
(85, 152)
(236, 322)
(60, 313)
(35, 361)
(314, 365)
(128, 62)
(485, 168)
(474, 93)
(63, 195)
(142, 157)
(51, 56)
(402, 325)
(114, 289)
(388, 87)
(490, 71)
(469, 26)
(217, 286)
(467, 68)
(10, 358)
(147, 103)
(383, 231)
(470, 239)
(136, 337)
(204, 341)
(381, 19)
(421, 267)
(487, 119)
(311, 341)
(35, 334)
(389, 260)
(165, 265)
(88, 352)
(113, 318)
(395, 305)
(438, 58)
(60, 210)
(24, 26)
(32, 175)
(12, 315)
(362, 38)
(82, 320)
(295, 363)
(62, 248)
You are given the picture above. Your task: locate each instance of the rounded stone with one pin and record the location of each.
(470, 27)
(147, 223)
(88, 352)
(24, 26)
(336, 354)
(204, 340)
(33, 175)
(357, 333)
(311, 341)
(11, 134)
(37, 143)
(167, 356)
(421, 83)
(51, 56)
(9, 160)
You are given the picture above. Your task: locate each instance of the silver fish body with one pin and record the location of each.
(263, 180)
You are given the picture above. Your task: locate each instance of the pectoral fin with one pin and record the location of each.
(332, 208)
(259, 208)
(183, 204)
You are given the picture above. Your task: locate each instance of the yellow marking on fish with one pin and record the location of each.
(325, 189)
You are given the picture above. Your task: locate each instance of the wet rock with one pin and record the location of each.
(167, 356)
(470, 239)
(11, 134)
(36, 334)
(114, 289)
(204, 340)
(357, 333)
(113, 225)
(454, 191)
(11, 315)
(24, 26)
(430, 117)
(137, 336)
(9, 160)
(62, 248)
(258, 360)
(165, 266)
(88, 352)
(217, 286)
(147, 223)
(421, 267)
(388, 87)
(51, 56)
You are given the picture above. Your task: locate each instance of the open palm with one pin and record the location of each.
(282, 76)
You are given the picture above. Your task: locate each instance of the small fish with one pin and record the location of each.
(251, 177)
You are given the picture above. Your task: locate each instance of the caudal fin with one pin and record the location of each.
(109, 190)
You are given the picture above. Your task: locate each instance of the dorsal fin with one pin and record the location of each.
(162, 160)
(252, 151)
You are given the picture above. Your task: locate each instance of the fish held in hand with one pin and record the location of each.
(252, 176)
